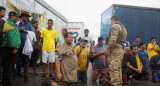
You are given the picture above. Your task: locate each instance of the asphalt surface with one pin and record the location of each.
(35, 80)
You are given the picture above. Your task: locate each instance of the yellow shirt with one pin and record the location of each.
(49, 37)
(150, 51)
(82, 58)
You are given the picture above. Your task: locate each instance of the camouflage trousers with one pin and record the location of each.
(115, 66)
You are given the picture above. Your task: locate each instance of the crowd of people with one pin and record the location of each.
(141, 59)
(114, 64)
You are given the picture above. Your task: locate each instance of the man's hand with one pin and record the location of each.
(102, 52)
(158, 63)
(107, 53)
(23, 29)
(92, 50)
(138, 71)
(80, 49)
(154, 43)
(59, 76)
(14, 51)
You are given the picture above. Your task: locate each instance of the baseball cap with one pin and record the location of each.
(84, 40)
(13, 13)
(24, 14)
(100, 38)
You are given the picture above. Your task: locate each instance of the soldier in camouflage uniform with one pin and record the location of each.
(115, 39)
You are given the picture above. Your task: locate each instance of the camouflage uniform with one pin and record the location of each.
(115, 39)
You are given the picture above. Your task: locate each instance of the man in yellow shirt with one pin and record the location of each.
(152, 48)
(48, 37)
(82, 54)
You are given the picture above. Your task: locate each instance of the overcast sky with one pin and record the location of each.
(89, 11)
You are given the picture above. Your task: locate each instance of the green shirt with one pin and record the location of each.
(59, 40)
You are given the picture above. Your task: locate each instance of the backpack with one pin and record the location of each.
(123, 35)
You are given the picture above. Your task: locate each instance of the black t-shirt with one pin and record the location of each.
(132, 60)
(124, 64)
(2, 22)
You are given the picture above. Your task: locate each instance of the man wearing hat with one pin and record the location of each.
(24, 26)
(82, 54)
(10, 44)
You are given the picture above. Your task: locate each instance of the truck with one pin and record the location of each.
(143, 22)
(39, 11)
(77, 28)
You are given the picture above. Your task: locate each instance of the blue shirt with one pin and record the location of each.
(27, 26)
(77, 44)
(100, 61)
(143, 56)
(126, 44)
(135, 43)
(153, 62)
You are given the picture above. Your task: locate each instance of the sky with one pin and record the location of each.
(89, 11)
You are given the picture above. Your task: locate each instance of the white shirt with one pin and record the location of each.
(30, 39)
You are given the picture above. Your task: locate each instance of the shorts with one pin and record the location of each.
(48, 56)
(96, 73)
(35, 54)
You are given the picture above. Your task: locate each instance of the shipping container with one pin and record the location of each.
(39, 10)
(139, 21)
(77, 28)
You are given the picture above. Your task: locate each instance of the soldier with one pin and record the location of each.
(115, 39)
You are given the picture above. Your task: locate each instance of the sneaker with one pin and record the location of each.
(26, 80)
(130, 77)
(43, 77)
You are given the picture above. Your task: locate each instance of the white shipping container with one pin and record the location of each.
(77, 28)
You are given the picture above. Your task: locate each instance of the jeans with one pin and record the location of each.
(82, 76)
(25, 63)
(19, 65)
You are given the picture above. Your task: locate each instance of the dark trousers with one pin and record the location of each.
(0, 67)
(136, 75)
(82, 76)
(19, 65)
(9, 62)
(25, 64)
(25, 60)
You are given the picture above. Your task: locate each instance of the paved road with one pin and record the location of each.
(35, 80)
